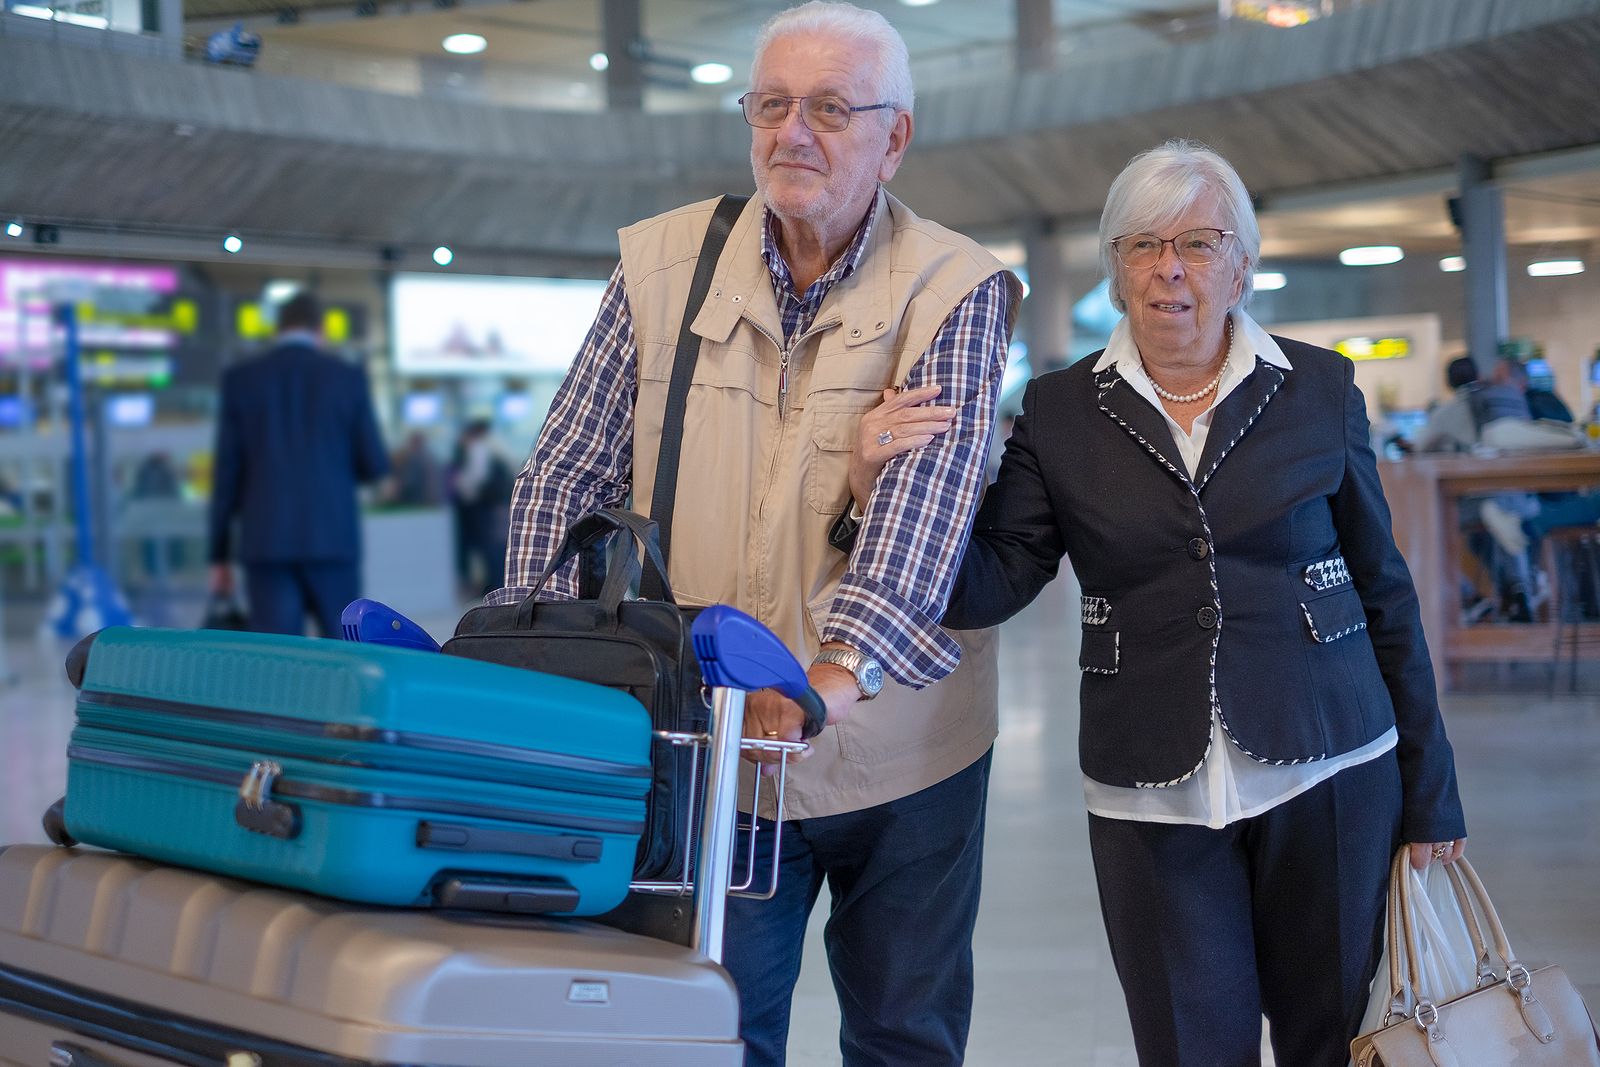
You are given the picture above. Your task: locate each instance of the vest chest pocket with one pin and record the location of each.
(833, 438)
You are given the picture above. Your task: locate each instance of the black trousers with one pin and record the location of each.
(904, 878)
(1280, 914)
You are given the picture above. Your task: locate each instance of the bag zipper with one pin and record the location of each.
(300, 789)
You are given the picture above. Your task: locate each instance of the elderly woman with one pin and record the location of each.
(1259, 729)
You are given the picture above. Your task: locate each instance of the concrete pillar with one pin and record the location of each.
(1483, 244)
(1046, 323)
(165, 19)
(622, 38)
(1036, 35)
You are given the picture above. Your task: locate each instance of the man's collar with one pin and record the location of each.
(297, 337)
(1251, 340)
(840, 268)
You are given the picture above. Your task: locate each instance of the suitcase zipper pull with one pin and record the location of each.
(256, 811)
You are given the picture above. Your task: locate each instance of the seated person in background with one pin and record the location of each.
(1452, 427)
(1505, 418)
(1543, 404)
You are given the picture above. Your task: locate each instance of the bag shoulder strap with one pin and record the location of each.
(663, 498)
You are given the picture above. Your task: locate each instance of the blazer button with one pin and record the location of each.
(1206, 617)
(1198, 549)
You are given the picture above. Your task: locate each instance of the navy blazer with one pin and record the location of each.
(1268, 587)
(295, 435)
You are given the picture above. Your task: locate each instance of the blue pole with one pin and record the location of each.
(80, 438)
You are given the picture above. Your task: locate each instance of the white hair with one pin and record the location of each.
(847, 22)
(1157, 187)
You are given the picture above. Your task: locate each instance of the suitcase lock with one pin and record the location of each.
(255, 809)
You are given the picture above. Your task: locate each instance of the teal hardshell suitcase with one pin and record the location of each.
(367, 773)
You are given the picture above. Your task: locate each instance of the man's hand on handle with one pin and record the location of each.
(771, 716)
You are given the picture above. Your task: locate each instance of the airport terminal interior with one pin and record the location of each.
(449, 178)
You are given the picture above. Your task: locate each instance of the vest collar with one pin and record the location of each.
(741, 287)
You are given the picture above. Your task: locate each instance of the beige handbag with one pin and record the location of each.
(1531, 1018)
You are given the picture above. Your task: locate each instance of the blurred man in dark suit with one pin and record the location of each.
(295, 435)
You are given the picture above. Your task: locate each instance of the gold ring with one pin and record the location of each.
(772, 733)
(1439, 851)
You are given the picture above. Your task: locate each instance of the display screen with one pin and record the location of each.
(422, 409)
(1540, 376)
(152, 320)
(130, 409)
(514, 407)
(1361, 349)
(446, 324)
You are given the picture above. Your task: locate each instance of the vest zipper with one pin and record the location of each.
(787, 350)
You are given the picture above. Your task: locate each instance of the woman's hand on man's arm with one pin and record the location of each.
(907, 425)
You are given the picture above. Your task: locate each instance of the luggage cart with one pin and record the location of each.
(113, 961)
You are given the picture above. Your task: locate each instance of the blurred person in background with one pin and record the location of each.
(1543, 403)
(1451, 427)
(1260, 731)
(417, 480)
(296, 435)
(480, 493)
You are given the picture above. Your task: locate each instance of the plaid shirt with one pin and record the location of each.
(901, 568)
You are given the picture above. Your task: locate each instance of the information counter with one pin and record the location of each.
(1424, 494)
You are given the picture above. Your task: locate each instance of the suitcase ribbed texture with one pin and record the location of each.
(378, 986)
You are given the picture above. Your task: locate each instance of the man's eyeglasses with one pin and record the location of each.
(821, 114)
(1195, 247)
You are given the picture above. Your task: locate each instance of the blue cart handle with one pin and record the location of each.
(737, 652)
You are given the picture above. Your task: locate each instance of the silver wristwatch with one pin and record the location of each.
(869, 676)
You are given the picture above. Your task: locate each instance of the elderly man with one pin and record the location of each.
(828, 291)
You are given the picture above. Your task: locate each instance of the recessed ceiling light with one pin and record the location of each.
(918, 3)
(599, 61)
(443, 256)
(1268, 280)
(464, 44)
(1453, 264)
(1555, 268)
(1371, 255)
(14, 228)
(33, 11)
(711, 73)
(232, 244)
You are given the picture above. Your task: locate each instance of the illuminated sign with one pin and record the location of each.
(251, 324)
(1362, 349)
(25, 320)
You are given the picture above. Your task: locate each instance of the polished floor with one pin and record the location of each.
(1529, 769)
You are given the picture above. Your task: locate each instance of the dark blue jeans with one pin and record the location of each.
(282, 593)
(904, 879)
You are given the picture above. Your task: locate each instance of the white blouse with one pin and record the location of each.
(1227, 785)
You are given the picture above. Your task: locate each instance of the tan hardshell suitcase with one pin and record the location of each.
(105, 955)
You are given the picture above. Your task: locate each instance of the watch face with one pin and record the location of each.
(871, 677)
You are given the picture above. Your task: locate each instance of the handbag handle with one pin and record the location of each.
(1480, 948)
(1470, 892)
(589, 531)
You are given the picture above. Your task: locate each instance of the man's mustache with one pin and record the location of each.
(802, 158)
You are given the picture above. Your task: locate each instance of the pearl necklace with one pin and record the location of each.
(1204, 391)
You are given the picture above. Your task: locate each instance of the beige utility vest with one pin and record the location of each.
(758, 492)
